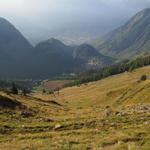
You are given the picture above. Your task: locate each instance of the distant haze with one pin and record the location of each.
(73, 21)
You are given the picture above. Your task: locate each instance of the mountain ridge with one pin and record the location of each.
(52, 57)
(19, 59)
(128, 40)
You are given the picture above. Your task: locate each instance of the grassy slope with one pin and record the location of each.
(80, 116)
(120, 89)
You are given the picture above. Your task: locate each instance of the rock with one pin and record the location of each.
(23, 126)
(146, 123)
(108, 111)
(120, 142)
(58, 126)
(121, 113)
(113, 124)
(26, 114)
(45, 120)
(41, 119)
(48, 120)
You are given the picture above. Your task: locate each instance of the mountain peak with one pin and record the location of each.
(86, 46)
(141, 14)
(3, 19)
(54, 41)
(11, 40)
(146, 10)
(86, 49)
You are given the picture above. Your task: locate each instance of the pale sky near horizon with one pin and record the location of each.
(39, 19)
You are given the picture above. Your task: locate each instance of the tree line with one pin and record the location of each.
(95, 75)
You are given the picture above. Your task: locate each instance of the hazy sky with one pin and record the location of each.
(41, 19)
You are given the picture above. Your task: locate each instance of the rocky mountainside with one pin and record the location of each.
(128, 40)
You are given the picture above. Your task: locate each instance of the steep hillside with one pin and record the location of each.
(91, 57)
(130, 39)
(14, 48)
(50, 58)
(12, 42)
(114, 112)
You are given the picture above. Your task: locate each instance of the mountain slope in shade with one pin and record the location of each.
(14, 50)
(12, 42)
(51, 57)
(91, 57)
(128, 40)
(18, 59)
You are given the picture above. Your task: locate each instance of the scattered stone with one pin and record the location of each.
(139, 108)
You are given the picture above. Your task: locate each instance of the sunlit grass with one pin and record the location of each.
(80, 117)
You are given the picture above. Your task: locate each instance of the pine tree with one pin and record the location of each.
(24, 92)
(14, 89)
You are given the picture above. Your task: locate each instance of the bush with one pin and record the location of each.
(51, 92)
(24, 92)
(143, 78)
(44, 91)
